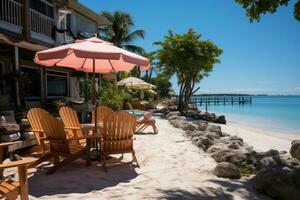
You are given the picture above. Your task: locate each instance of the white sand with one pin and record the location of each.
(261, 139)
(171, 168)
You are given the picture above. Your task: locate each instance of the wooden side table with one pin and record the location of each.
(3, 147)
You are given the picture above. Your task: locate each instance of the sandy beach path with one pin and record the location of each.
(171, 168)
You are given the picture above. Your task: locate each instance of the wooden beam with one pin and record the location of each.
(26, 19)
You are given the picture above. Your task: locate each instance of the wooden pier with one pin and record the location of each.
(207, 100)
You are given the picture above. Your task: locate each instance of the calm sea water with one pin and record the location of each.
(278, 113)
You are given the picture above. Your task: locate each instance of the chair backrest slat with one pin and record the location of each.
(70, 119)
(102, 112)
(118, 130)
(34, 117)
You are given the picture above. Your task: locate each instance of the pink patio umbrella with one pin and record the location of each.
(91, 55)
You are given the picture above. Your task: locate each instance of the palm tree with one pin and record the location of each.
(119, 31)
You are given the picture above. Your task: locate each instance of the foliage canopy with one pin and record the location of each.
(256, 8)
(189, 58)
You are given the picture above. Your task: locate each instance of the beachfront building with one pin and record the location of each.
(27, 26)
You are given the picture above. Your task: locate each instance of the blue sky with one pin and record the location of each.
(258, 58)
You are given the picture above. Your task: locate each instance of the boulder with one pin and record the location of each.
(172, 113)
(220, 119)
(268, 159)
(236, 144)
(202, 125)
(227, 170)
(204, 142)
(214, 128)
(193, 134)
(212, 135)
(295, 149)
(232, 138)
(236, 157)
(215, 147)
(190, 127)
(278, 183)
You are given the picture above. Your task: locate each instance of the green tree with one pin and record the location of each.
(189, 58)
(151, 56)
(119, 32)
(256, 8)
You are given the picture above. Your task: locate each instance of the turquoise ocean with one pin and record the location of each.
(275, 113)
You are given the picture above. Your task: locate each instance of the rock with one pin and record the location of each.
(227, 170)
(214, 128)
(220, 119)
(173, 113)
(235, 157)
(202, 125)
(212, 135)
(268, 159)
(235, 144)
(193, 134)
(278, 183)
(204, 142)
(295, 149)
(231, 138)
(190, 127)
(215, 147)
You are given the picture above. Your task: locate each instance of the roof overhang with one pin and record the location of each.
(83, 10)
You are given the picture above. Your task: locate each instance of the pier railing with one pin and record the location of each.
(221, 100)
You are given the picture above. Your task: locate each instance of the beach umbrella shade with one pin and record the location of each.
(91, 55)
(135, 83)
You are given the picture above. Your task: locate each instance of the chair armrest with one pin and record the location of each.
(6, 144)
(38, 131)
(72, 128)
(85, 137)
(17, 163)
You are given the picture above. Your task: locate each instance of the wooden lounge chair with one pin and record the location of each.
(144, 121)
(102, 112)
(71, 122)
(34, 119)
(10, 189)
(118, 130)
(61, 145)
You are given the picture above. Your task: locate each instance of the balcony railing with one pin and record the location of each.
(11, 15)
(41, 24)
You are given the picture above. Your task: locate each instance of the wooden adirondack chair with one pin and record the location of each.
(10, 189)
(33, 117)
(118, 130)
(144, 121)
(71, 122)
(61, 145)
(102, 112)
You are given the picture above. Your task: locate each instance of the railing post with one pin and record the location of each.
(26, 19)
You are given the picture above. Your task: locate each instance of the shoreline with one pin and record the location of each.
(261, 138)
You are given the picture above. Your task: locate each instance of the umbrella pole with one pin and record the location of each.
(94, 100)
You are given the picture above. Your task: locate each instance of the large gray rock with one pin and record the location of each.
(227, 170)
(203, 142)
(279, 183)
(214, 128)
(295, 149)
(193, 134)
(220, 119)
(216, 147)
(190, 127)
(172, 113)
(202, 125)
(235, 157)
(271, 158)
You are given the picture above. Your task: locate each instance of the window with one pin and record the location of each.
(30, 82)
(2, 84)
(57, 84)
(43, 6)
